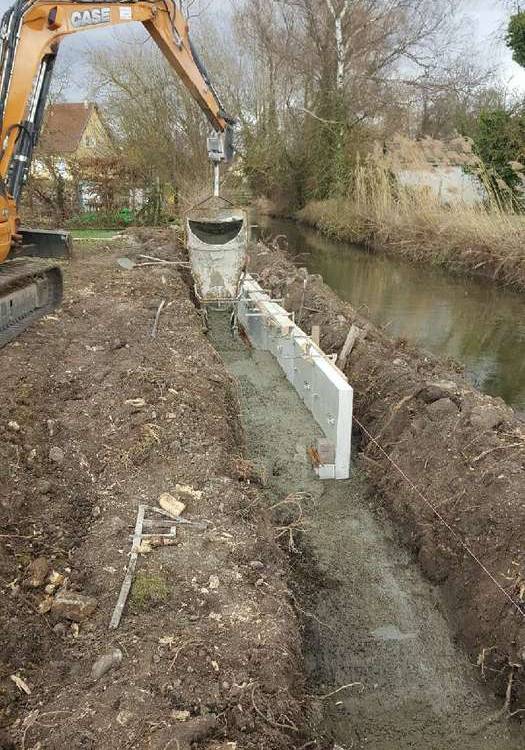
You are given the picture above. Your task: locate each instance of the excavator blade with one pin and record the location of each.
(44, 243)
(29, 289)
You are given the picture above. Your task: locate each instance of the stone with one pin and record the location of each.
(37, 573)
(70, 605)
(105, 663)
(186, 492)
(438, 390)
(56, 455)
(257, 565)
(486, 417)
(214, 583)
(13, 426)
(442, 408)
(181, 715)
(171, 505)
(43, 487)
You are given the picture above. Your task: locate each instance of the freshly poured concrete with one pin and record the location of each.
(369, 616)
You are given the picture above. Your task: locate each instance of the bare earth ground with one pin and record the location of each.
(370, 620)
(464, 452)
(209, 641)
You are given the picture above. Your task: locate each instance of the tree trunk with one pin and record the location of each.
(340, 44)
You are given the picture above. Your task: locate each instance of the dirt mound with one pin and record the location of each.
(96, 417)
(443, 444)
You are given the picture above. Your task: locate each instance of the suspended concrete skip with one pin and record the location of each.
(217, 241)
(320, 384)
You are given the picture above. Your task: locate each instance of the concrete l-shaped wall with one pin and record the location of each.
(320, 384)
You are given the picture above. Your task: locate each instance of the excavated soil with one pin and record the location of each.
(444, 445)
(97, 416)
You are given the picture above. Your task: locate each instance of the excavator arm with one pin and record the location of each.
(31, 34)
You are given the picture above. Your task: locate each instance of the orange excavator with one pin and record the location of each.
(31, 32)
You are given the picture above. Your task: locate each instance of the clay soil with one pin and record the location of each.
(95, 417)
(458, 450)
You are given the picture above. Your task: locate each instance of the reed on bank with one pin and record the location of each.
(485, 239)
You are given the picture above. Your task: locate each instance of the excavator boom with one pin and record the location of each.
(31, 32)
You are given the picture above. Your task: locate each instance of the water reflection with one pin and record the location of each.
(475, 323)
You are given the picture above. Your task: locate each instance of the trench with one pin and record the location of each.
(367, 615)
(473, 322)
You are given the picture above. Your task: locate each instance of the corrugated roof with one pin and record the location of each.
(64, 126)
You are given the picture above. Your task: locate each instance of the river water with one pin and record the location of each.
(475, 323)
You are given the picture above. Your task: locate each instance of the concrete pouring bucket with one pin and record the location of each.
(217, 244)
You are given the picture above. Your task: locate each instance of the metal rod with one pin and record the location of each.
(216, 179)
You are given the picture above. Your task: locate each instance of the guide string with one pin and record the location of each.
(434, 510)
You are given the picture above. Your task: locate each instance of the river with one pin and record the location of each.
(474, 322)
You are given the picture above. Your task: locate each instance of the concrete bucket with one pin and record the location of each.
(217, 242)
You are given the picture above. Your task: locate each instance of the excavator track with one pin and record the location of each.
(29, 289)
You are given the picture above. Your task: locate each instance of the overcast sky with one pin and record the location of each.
(485, 18)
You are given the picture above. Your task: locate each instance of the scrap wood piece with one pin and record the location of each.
(354, 334)
(157, 318)
(132, 564)
(313, 455)
(161, 261)
(202, 525)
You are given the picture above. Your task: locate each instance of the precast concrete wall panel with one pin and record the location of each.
(322, 387)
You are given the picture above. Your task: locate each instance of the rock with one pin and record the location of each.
(37, 573)
(136, 403)
(442, 408)
(55, 580)
(43, 487)
(56, 455)
(183, 735)
(45, 605)
(171, 505)
(105, 663)
(124, 717)
(214, 583)
(257, 565)
(186, 492)
(487, 417)
(96, 511)
(69, 605)
(13, 426)
(440, 389)
(181, 715)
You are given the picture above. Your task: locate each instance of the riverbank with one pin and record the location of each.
(463, 455)
(463, 240)
(96, 417)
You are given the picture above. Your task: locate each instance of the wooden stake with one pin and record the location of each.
(354, 335)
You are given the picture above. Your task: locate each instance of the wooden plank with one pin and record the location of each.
(132, 564)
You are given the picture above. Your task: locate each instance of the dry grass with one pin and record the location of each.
(483, 239)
